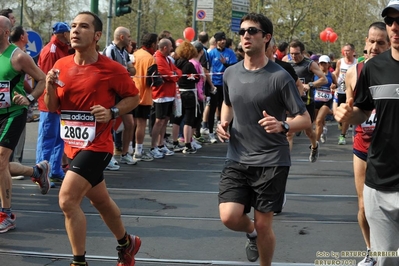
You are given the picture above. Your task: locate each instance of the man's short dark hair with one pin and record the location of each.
(282, 46)
(265, 23)
(5, 12)
(149, 39)
(203, 37)
(297, 43)
(16, 33)
(381, 26)
(97, 23)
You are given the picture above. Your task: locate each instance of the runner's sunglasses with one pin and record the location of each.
(250, 30)
(389, 21)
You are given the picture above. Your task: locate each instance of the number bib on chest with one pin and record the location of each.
(322, 95)
(78, 128)
(5, 97)
(369, 125)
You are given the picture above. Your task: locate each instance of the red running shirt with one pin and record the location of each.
(86, 86)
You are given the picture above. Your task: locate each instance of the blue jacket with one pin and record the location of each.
(217, 66)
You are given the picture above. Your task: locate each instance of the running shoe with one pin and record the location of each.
(251, 249)
(156, 153)
(341, 140)
(212, 138)
(7, 222)
(166, 151)
(200, 139)
(189, 150)
(367, 261)
(196, 145)
(314, 153)
(143, 156)
(128, 159)
(204, 131)
(178, 148)
(126, 254)
(43, 180)
(113, 165)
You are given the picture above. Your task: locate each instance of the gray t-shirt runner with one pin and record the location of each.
(249, 93)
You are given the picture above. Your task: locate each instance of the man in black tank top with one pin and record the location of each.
(306, 69)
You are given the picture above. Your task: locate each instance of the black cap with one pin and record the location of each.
(219, 36)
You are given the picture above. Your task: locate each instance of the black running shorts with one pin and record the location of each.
(11, 126)
(260, 187)
(90, 165)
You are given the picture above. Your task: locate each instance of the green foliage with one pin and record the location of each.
(302, 19)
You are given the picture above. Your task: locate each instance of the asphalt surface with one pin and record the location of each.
(172, 205)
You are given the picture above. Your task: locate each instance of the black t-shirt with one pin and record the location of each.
(378, 87)
(287, 67)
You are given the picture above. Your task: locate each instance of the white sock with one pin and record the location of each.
(139, 148)
(253, 234)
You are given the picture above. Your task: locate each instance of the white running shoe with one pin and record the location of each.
(166, 151)
(196, 145)
(128, 159)
(212, 138)
(204, 131)
(112, 165)
(156, 153)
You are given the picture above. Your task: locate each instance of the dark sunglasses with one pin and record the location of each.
(251, 31)
(389, 21)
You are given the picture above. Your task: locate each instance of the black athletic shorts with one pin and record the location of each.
(318, 105)
(163, 110)
(142, 111)
(260, 187)
(90, 165)
(11, 126)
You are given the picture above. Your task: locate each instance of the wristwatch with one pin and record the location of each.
(310, 84)
(285, 127)
(30, 98)
(114, 112)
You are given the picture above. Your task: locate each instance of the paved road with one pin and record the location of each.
(172, 205)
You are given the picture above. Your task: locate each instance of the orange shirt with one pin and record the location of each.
(143, 60)
(85, 86)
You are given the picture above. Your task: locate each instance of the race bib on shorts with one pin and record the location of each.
(5, 96)
(78, 128)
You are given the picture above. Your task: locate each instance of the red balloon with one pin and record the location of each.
(324, 36)
(333, 37)
(189, 34)
(178, 42)
(328, 29)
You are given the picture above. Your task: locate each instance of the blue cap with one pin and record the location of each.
(61, 27)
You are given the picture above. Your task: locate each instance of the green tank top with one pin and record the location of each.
(10, 81)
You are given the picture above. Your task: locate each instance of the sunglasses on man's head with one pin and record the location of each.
(389, 21)
(251, 31)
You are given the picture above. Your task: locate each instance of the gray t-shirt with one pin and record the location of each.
(249, 93)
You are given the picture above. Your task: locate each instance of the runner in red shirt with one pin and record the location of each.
(82, 87)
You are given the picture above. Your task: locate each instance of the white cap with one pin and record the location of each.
(392, 4)
(324, 58)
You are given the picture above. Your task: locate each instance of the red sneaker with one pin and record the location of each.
(126, 254)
